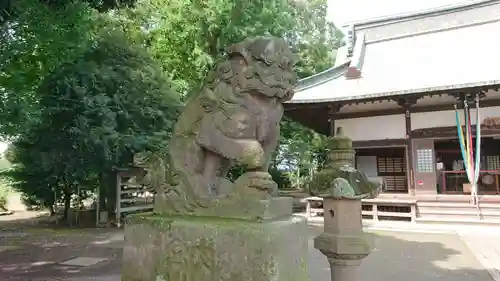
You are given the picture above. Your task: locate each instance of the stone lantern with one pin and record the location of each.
(343, 241)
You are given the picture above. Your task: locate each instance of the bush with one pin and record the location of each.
(94, 114)
(4, 195)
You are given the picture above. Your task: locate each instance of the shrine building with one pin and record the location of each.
(394, 87)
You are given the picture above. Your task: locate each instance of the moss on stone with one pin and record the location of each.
(237, 207)
(210, 249)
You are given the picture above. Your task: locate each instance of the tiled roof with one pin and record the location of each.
(440, 50)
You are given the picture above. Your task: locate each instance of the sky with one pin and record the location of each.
(342, 12)
(3, 146)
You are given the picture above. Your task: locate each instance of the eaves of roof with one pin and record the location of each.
(322, 77)
(376, 95)
(442, 10)
(353, 62)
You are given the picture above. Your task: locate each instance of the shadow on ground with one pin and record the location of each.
(36, 254)
(32, 219)
(411, 257)
(33, 251)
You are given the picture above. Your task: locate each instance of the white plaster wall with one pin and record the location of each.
(433, 119)
(374, 128)
(447, 118)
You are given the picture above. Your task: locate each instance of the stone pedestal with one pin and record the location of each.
(343, 241)
(198, 248)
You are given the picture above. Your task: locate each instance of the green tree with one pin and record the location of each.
(10, 9)
(32, 44)
(36, 182)
(78, 113)
(302, 152)
(187, 37)
(95, 114)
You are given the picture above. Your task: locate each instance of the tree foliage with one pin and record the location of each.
(95, 114)
(9, 9)
(114, 101)
(78, 102)
(187, 36)
(34, 43)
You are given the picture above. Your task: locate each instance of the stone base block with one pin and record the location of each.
(191, 248)
(233, 208)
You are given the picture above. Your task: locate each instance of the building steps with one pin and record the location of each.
(455, 212)
(458, 212)
(457, 207)
(457, 221)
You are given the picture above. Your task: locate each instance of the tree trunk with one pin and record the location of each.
(297, 179)
(67, 203)
(110, 181)
(51, 204)
(102, 191)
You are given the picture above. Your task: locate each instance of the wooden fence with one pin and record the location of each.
(131, 197)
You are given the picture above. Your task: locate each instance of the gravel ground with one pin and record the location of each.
(410, 257)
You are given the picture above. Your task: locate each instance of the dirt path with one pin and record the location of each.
(58, 254)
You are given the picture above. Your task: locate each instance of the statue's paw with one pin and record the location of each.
(267, 185)
(259, 180)
(253, 155)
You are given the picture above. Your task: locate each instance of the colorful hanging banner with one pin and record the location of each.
(461, 139)
(472, 165)
(470, 152)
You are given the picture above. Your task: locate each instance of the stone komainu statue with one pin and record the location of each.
(233, 120)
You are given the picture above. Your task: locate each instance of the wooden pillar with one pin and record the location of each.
(407, 103)
(409, 152)
(331, 122)
(332, 110)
